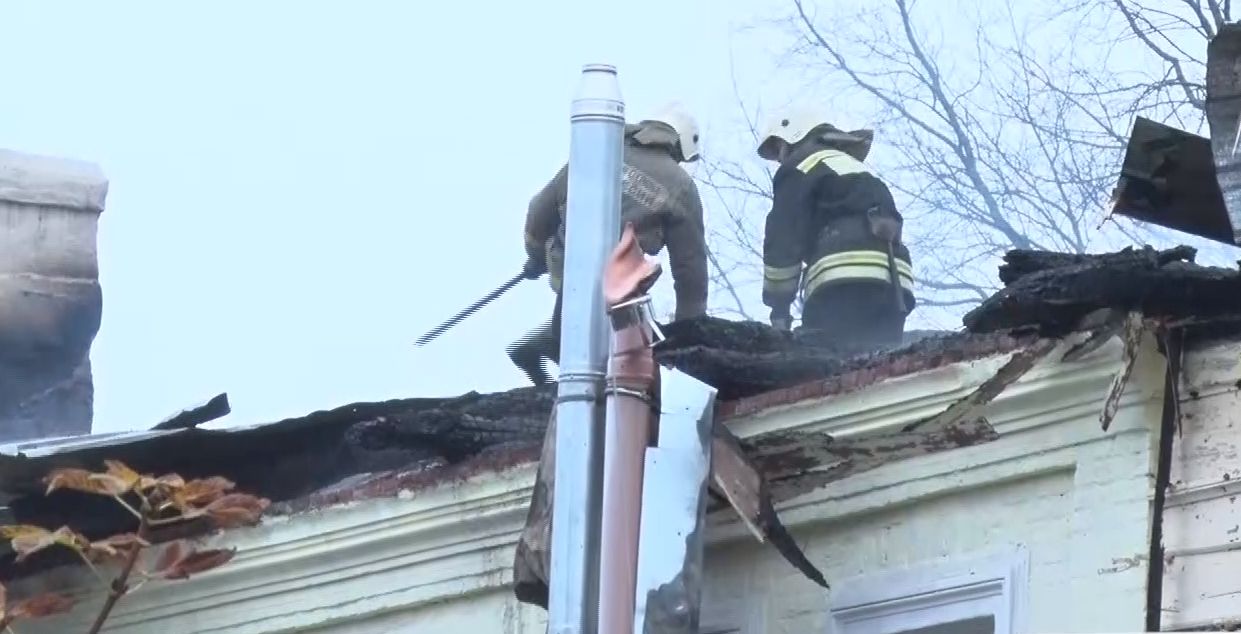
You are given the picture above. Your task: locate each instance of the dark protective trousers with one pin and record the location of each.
(529, 352)
(853, 316)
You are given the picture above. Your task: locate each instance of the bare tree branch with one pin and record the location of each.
(989, 144)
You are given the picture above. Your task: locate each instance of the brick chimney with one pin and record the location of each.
(50, 299)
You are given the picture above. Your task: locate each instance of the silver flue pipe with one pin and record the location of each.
(592, 228)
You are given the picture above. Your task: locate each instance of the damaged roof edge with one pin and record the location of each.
(927, 354)
(924, 354)
(43, 447)
(56, 445)
(432, 473)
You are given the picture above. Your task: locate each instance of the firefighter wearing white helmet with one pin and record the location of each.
(674, 116)
(658, 196)
(833, 233)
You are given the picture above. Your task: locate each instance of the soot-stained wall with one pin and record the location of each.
(50, 298)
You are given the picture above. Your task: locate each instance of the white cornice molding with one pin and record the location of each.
(366, 558)
(906, 399)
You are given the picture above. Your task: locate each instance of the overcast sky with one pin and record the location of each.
(300, 189)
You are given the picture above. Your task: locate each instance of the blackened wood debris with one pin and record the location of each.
(1053, 292)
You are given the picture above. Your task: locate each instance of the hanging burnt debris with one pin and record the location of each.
(1134, 327)
(1127, 294)
(1183, 181)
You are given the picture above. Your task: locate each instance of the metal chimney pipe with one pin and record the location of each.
(592, 227)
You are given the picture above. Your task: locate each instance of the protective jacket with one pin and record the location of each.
(825, 204)
(658, 196)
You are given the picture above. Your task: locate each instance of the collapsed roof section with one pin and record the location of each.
(377, 449)
(297, 458)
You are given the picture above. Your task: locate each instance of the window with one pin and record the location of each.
(979, 596)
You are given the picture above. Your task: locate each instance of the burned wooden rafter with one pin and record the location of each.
(819, 459)
(1133, 330)
(1052, 292)
(752, 475)
(796, 463)
(1101, 325)
(1016, 367)
(742, 483)
(214, 408)
(735, 480)
(1019, 263)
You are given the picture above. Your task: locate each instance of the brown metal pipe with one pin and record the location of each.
(633, 383)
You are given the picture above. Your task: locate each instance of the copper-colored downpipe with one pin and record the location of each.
(632, 394)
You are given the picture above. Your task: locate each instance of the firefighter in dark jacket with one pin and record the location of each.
(658, 196)
(832, 215)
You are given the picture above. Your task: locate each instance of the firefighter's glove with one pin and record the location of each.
(533, 269)
(781, 320)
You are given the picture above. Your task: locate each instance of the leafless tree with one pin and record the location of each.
(999, 125)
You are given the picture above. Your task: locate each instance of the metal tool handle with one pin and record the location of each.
(887, 228)
(470, 310)
(895, 277)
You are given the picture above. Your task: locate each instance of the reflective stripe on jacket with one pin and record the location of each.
(855, 265)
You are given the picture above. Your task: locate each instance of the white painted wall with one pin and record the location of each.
(1073, 499)
(493, 611)
(1202, 521)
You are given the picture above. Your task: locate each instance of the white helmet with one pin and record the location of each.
(676, 117)
(789, 127)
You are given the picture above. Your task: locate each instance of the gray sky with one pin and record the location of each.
(300, 189)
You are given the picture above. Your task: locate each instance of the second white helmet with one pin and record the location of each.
(676, 117)
(790, 127)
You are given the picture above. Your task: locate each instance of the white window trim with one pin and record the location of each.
(931, 594)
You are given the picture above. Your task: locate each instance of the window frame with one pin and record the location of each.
(931, 594)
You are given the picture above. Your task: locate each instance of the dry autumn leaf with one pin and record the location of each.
(85, 481)
(169, 482)
(116, 546)
(237, 509)
(21, 530)
(36, 607)
(198, 493)
(27, 540)
(40, 606)
(123, 473)
(177, 562)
